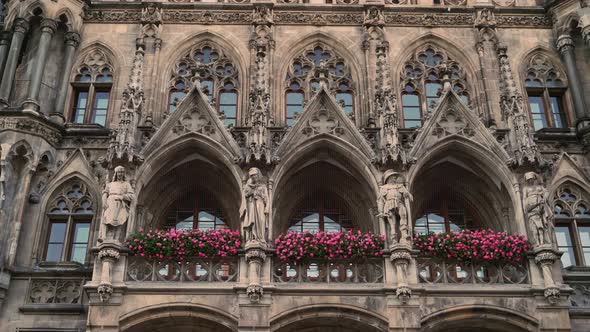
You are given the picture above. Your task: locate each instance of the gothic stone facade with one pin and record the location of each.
(475, 107)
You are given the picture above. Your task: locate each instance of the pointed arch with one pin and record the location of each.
(74, 23)
(329, 315)
(84, 207)
(223, 44)
(178, 315)
(189, 163)
(321, 165)
(464, 73)
(308, 42)
(478, 316)
(23, 148)
(545, 83)
(478, 179)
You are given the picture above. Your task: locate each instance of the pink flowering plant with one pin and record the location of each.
(474, 246)
(345, 245)
(177, 245)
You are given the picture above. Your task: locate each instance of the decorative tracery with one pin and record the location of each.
(92, 84)
(572, 225)
(217, 75)
(316, 66)
(70, 213)
(421, 82)
(546, 86)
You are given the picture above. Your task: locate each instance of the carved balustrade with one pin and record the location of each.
(55, 291)
(323, 271)
(432, 271)
(194, 269)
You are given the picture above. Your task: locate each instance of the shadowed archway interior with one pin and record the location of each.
(322, 180)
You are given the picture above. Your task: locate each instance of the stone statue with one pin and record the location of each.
(116, 201)
(537, 210)
(394, 206)
(254, 208)
(374, 16)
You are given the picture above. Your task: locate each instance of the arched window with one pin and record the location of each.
(217, 75)
(320, 213)
(305, 74)
(421, 82)
(572, 226)
(92, 89)
(196, 210)
(546, 87)
(70, 215)
(446, 214)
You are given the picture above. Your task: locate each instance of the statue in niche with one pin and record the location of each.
(537, 210)
(116, 200)
(394, 206)
(254, 208)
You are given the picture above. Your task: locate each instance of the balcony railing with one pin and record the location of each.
(192, 270)
(322, 271)
(433, 271)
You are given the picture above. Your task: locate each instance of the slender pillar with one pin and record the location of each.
(48, 28)
(565, 46)
(4, 48)
(21, 26)
(72, 40)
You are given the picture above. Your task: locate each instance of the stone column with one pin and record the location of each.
(48, 27)
(21, 26)
(545, 259)
(108, 256)
(4, 48)
(72, 40)
(565, 46)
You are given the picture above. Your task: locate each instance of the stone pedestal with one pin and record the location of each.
(401, 258)
(545, 257)
(107, 256)
(255, 257)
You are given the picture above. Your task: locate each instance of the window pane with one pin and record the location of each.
(175, 98)
(57, 233)
(537, 112)
(564, 243)
(584, 236)
(228, 98)
(411, 113)
(410, 100)
(432, 89)
(294, 98)
(412, 124)
(54, 252)
(80, 106)
(80, 242)
(101, 105)
(557, 110)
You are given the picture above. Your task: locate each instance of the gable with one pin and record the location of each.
(452, 119)
(323, 117)
(194, 115)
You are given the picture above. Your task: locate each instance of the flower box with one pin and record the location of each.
(474, 246)
(345, 245)
(173, 245)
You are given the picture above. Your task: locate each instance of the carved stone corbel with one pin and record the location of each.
(255, 257)
(545, 258)
(401, 258)
(108, 255)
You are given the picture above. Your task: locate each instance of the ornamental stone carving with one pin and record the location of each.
(374, 17)
(254, 209)
(504, 3)
(394, 207)
(537, 210)
(116, 199)
(195, 121)
(451, 122)
(323, 122)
